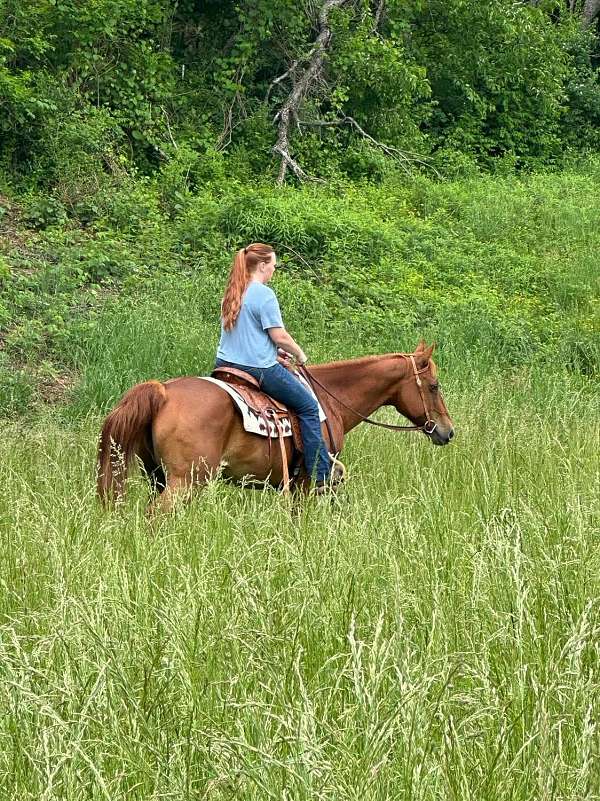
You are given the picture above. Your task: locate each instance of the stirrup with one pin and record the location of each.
(338, 470)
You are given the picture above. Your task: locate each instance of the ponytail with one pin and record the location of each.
(244, 265)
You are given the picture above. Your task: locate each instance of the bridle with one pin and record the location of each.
(428, 427)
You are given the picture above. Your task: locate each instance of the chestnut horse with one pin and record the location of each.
(186, 430)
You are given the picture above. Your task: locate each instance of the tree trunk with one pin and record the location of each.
(591, 9)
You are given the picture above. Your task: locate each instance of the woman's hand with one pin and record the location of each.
(284, 358)
(300, 359)
(289, 360)
(287, 345)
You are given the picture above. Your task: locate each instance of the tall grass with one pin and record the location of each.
(433, 635)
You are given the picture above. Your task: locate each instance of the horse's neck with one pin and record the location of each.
(364, 385)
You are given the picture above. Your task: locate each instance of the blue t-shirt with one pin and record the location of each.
(248, 342)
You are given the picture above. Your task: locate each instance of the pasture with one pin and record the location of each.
(434, 635)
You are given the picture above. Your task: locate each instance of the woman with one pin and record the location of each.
(251, 332)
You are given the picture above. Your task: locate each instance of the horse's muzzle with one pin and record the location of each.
(440, 436)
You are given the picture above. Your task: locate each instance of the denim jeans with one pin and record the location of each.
(280, 384)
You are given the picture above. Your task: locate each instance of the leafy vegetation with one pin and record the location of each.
(85, 89)
(137, 141)
(500, 271)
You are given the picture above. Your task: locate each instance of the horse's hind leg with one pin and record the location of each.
(175, 489)
(189, 438)
(179, 487)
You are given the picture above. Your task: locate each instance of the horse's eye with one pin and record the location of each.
(434, 387)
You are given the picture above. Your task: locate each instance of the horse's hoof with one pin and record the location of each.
(338, 473)
(329, 486)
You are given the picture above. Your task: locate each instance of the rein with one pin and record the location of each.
(428, 427)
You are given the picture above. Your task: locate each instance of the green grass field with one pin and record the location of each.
(434, 635)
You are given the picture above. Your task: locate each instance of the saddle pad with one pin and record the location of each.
(252, 421)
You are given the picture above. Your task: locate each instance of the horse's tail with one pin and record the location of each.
(127, 433)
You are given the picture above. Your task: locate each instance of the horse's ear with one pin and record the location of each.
(424, 352)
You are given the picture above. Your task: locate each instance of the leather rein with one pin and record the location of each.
(428, 427)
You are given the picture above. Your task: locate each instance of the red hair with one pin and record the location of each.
(245, 262)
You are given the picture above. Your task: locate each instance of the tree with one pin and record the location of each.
(303, 81)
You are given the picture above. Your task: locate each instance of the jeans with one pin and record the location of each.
(280, 384)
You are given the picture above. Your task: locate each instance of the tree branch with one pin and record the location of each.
(378, 14)
(173, 142)
(292, 69)
(403, 156)
(301, 86)
(224, 139)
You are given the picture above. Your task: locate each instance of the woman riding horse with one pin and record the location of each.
(187, 430)
(252, 330)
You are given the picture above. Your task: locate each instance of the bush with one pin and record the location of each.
(41, 211)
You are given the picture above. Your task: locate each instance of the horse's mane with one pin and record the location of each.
(358, 361)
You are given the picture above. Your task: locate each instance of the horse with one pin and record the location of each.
(186, 430)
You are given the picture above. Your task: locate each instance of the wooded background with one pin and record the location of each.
(318, 86)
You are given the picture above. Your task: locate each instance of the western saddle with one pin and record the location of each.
(268, 409)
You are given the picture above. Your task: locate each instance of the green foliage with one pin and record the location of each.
(581, 118)
(378, 81)
(16, 388)
(498, 75)
(79, 151)
(97, 63)
(54, 285)
(121, 85)
(41, 211)
(498, 270)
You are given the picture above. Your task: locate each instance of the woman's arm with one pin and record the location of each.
(283, 340)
